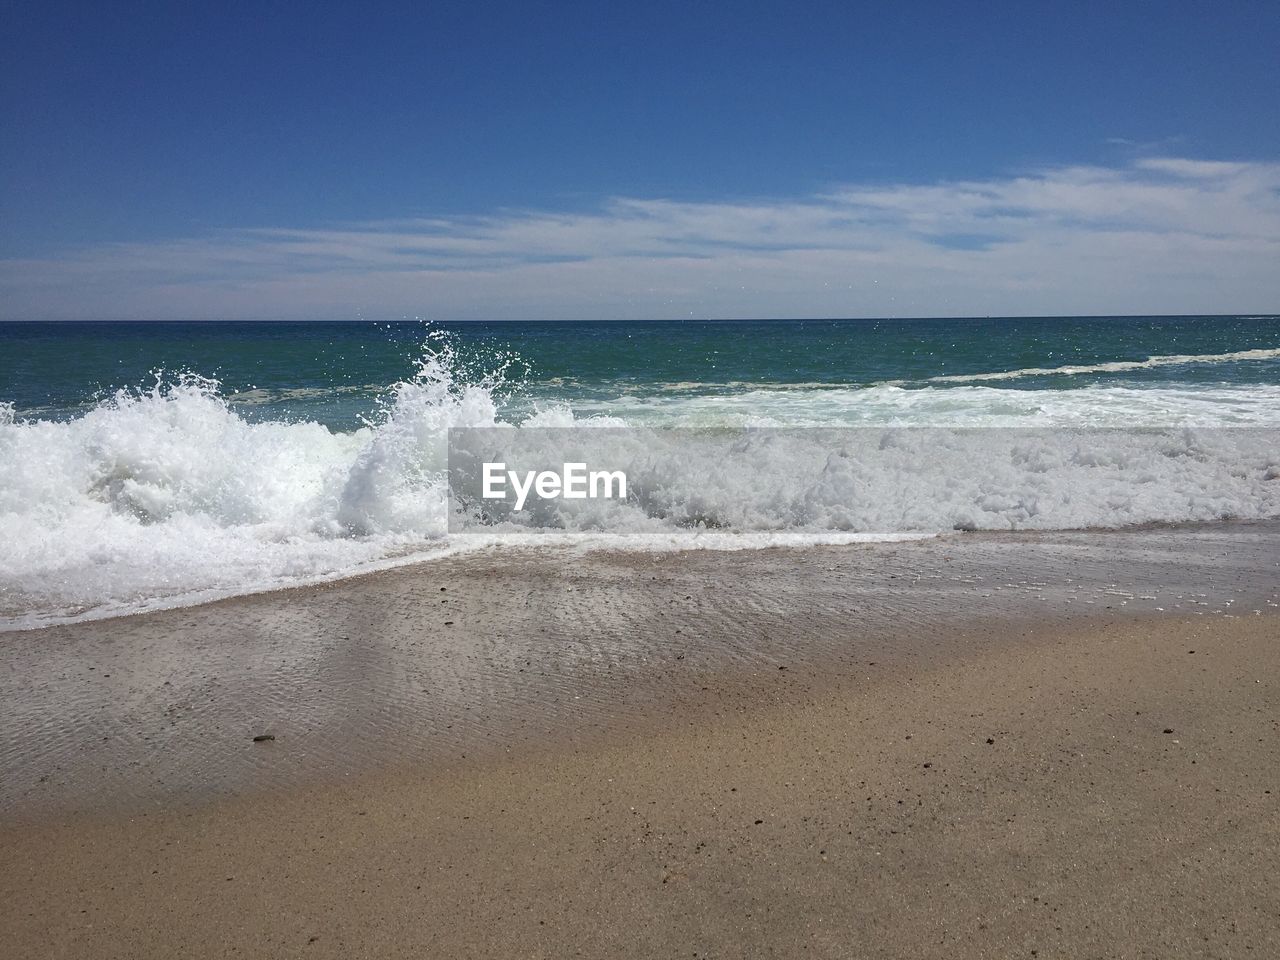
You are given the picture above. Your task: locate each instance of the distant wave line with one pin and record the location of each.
(1115, 366)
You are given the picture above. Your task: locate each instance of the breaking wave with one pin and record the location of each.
(168, 495)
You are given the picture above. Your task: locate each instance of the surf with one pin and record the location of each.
(174, 492)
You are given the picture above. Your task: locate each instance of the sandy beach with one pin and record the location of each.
(1056, 745)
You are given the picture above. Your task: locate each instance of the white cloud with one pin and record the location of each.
(1154, 236)
(1194, 168)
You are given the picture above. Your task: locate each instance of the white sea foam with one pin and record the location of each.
(968, 406)
(1114, 366)
(167, 495)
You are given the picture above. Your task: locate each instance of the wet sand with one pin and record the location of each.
(1060, 745)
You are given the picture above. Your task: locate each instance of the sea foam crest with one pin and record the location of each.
(168, 491)
(1115, 366)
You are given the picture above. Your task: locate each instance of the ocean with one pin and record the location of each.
(155, 464)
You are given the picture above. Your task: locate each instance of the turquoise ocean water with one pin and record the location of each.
(334, 373)
(147, 464)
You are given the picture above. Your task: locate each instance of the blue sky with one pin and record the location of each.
(288, 159)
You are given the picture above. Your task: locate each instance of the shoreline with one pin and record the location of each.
(557, 547)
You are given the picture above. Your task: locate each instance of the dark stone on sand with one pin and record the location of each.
(1168, 729)
(263, 737)
(991, 740)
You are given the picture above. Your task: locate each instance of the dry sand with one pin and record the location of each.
(779, 753)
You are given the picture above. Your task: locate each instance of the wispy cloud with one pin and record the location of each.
(1153, 235)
